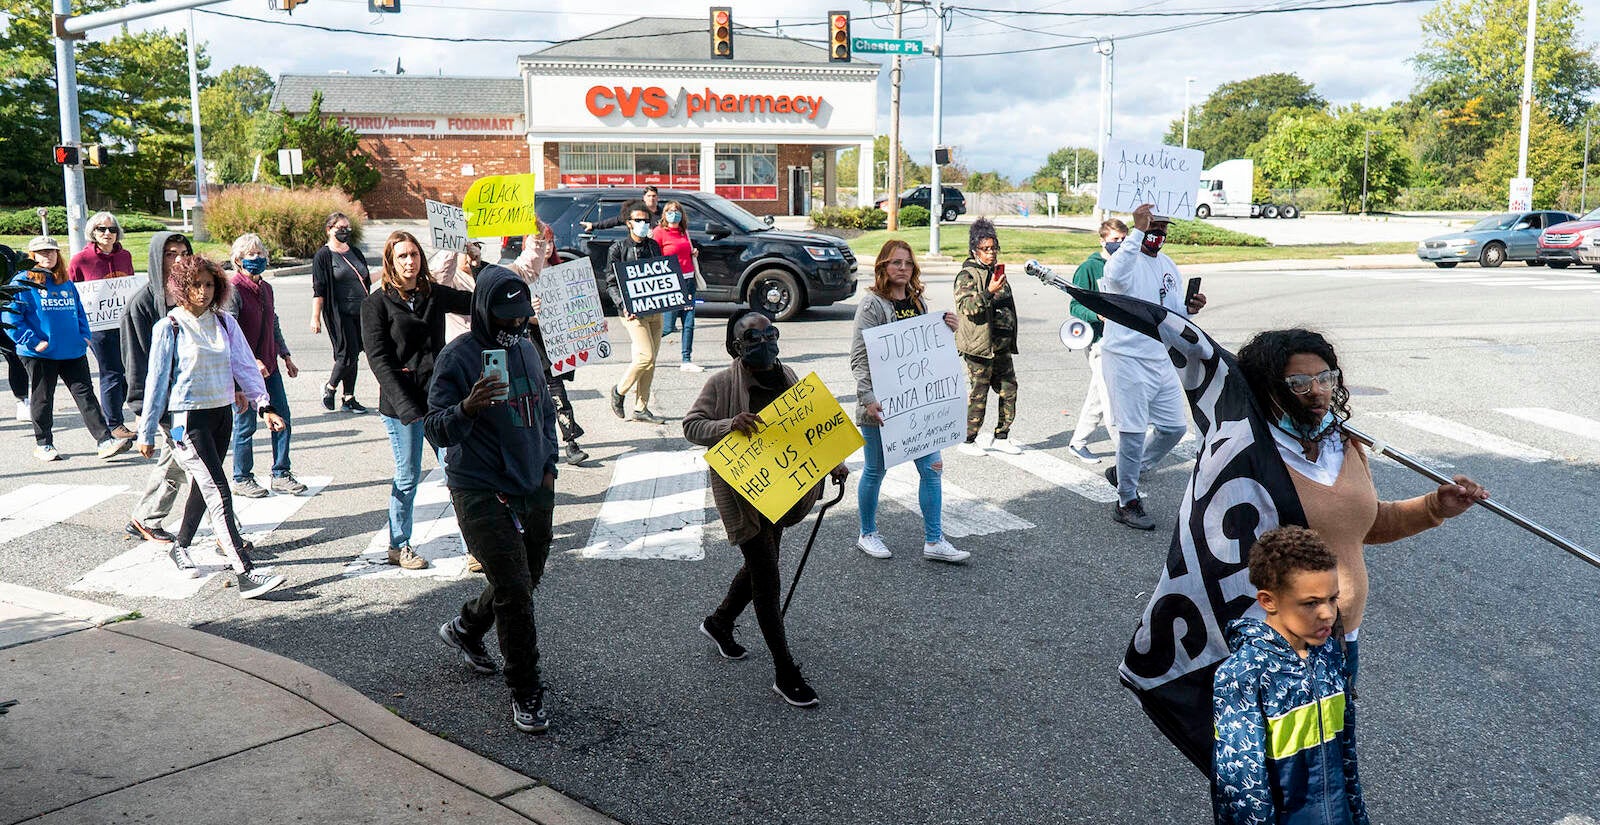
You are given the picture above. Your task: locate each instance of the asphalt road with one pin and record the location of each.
(983, 693)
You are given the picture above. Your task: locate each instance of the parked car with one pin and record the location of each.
(1513, 236)
(1576, 241)
(954, 203)
(743, 259)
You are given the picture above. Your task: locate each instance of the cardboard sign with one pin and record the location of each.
(806, 434)
(918, 378)
(653, 285)
(571, 317)
(501, 205)
(1134, 174)
(105, 301)
(447, 226)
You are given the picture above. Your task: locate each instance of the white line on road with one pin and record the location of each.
(963, 513)
(1070, 477)
(36, 506)
(1471, 436)
(146, 571)
(655, 508)
(435, 536)
(1557, 420)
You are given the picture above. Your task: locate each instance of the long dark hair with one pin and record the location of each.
(1264, 359)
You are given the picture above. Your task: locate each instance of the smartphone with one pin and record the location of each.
(999, 270)
(1193, 290)
(494, 366)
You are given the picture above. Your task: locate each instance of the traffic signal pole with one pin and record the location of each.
(937, 200)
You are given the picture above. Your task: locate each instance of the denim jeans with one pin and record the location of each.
(930, 493)
(107, 348)
(406, 440)
(511, 538)
(670, 320)
(244, 434)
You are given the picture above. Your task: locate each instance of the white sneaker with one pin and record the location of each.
(690, 366)
(986, 441)
(1004, 445)
(46, 452)
(942, 551)
(23, 412)
(969, 448)
(872, 544)
(113, 447)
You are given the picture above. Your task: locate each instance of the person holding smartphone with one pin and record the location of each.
(986, 337)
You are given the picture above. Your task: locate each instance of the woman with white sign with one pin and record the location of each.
(896, 294)
(340, 281)
(672, 235)
(538, 252)
(51, 331)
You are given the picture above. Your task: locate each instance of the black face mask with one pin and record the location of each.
(1152, 244)
(759, 355)
(341, 235)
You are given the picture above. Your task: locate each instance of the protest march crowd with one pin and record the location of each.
(458, 348)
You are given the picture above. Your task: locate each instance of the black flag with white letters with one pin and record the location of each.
(1240, 489)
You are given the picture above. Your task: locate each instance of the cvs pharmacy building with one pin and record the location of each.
(644, 103)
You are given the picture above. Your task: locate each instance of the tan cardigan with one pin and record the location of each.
(726, 394)
(1348, 515)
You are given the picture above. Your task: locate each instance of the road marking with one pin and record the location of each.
(1070, 477)
(1471, 436)
(146, 571)
(435, 536)
(963, 513)
(1556, 420)
(37, 506)
(655, 508)
(1570, 287)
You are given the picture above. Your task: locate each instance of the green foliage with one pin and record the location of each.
(26, 222)
(331, 153)
(291, 222)
(1318, 149)
(1240, 113)
(1201, 233)
(915, 216)
(229, 106)
(1446, 199)
(987, 182)
(1555, 156)
(1047, 178)
(848, 217)
(134, 94)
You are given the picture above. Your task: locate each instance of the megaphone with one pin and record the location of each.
(1076, 333)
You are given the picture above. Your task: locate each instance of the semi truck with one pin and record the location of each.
(1227, 190)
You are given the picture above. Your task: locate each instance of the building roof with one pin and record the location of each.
(401, 94)
(687, 40)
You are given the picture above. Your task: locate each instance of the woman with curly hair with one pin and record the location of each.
(1295, 377)
(198, 355)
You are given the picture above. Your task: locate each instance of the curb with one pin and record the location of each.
(40, 601)
(289, 271)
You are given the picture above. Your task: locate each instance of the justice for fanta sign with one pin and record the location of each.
(1134, 174)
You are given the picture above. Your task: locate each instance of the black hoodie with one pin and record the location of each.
(144, 310)
(510, 446)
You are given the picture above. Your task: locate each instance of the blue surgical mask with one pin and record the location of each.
(1289, 426)
(254, 266)
(674, 218)
(1112, 247)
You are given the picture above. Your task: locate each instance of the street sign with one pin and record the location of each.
(878, 45)
(290, 162)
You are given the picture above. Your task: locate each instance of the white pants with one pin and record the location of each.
(1143, 393)
(1095, 406)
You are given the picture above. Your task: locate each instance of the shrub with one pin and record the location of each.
(290, 222)
(26, 222)
(1444, 199)
(1200, 233)
(845, 217)
(914, 216)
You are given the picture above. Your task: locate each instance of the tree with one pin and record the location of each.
(133, 93)
(1047, 178)
(911, 172)
(1555, 154)
(1320, 149)
(988, 182)
(1238, 114)
(331, 153)
(229, 106)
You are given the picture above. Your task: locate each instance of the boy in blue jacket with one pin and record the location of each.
(1286, 735)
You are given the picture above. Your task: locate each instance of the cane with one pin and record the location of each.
(809, 542)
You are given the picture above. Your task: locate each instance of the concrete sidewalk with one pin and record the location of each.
(137, 720)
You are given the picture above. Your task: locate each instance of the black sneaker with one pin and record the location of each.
(180, 559)
(253, 583)
(575, 454)
(616, 403)
(144, 532)
(1133, 515)
(351, 405)
(327, 397)
(1111, 475)
(647, 417)
(528, 713)
(723, 639)
(471, 648)
(794, 690)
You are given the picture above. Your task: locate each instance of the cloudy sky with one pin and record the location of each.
(1002, 111)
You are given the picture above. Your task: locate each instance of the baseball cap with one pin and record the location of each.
(43, 242)
(510, 300)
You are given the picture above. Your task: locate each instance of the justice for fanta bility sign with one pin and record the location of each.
(1134, 174)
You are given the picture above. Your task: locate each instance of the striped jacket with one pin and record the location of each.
(1286, 738)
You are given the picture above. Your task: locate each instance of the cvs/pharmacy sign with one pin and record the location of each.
(654, 103)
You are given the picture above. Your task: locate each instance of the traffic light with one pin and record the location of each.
(67, 155)
(95, 156)
(288, 5)
(382, 6)
(838, 37)
(722, 32)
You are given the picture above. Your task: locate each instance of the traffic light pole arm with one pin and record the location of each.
(73, 27)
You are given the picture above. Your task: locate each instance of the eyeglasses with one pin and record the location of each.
(105, 229)
(1301, 384)
(989, 249)
(899, 263)
(756, 336)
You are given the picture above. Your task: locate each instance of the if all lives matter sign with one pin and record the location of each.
(652, 285)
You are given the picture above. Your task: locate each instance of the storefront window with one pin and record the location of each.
(631, 164)
(747, 171)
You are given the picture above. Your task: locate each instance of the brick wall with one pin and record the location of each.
(419, 167)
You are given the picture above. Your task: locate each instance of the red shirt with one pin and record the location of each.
(676, 242)
(90, 264)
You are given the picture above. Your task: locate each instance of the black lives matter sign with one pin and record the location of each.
(652, 285)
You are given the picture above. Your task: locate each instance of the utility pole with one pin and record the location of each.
(893, 203)
(1105, 48)
(1074, 167)
(1187, 82)
(199, 154)
(1527, 87)
(1583, 188)
(1366, 155)
(936, 199)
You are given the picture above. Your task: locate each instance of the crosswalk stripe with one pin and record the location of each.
(1070, 477)
(36, 506)
(435, 536)
(963, 513)
(145, 570)
(1556, 420)
(655, 508)
(1570, 287)
(1471, 436)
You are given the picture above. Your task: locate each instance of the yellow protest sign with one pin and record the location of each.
(806, 434)
(500, 205)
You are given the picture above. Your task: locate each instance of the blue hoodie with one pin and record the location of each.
(1286, 734)
(510, 446)
(53, 314)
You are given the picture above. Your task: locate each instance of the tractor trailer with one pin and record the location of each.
(1227, 190)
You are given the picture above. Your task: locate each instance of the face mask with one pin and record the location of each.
(760, 356)
(674, 218)
(1152, 244)
(341, 235)
(511, 336)
(254, 266)
(1112, 247)
(641, 229)
(1289, 426)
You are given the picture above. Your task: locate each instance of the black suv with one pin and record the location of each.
(954, 203)
(742, 258)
